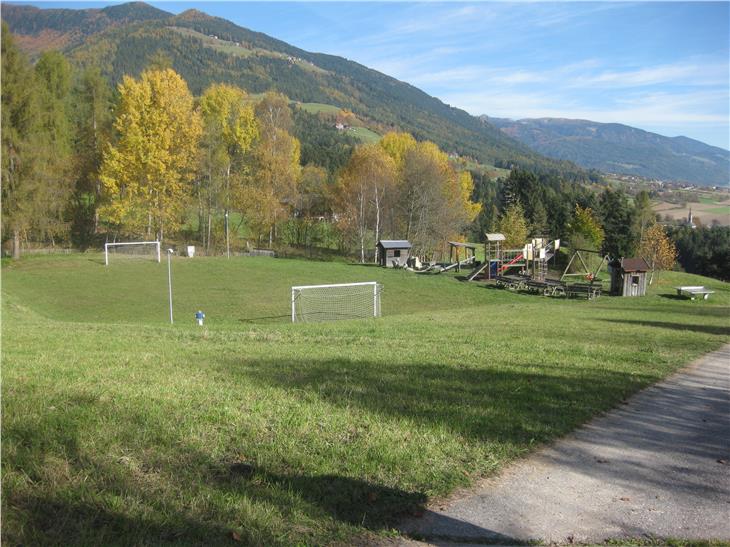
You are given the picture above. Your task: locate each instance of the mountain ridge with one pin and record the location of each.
(620, 148)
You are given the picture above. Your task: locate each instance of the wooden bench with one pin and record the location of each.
(586, 290)
(693, 291)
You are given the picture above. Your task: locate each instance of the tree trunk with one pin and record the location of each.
(16, 243)
(377, 222)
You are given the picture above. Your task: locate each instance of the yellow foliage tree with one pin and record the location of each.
(272, 188)
(514, 226)
(146, 175)
(657, 249)
(397, 145)
(230, 130)
(368, 178)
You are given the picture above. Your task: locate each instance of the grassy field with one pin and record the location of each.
(316, 108)
(121, 429)
(364, 134)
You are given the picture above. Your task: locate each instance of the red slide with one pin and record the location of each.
(515, 259)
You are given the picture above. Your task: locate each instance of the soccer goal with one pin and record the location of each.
(133, 249)
(311, 303)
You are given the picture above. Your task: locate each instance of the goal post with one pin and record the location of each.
(313, 303)
(133, 249)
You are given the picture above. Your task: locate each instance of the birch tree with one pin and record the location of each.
(230, 130)
(147, 174)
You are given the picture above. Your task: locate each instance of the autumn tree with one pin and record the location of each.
(397, 145)
(230, 128)
(366, 180)
(271, 191)
(644, 215)
(146, 175)
(584, 231)
(313, 204)
(514, 226)
(658, 249)
(434, 200)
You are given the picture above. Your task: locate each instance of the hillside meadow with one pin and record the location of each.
(119, 428)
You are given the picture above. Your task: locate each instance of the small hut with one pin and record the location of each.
(393, 253)
(628, 277)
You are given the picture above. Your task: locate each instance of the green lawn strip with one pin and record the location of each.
(364, 134)
(316, 108)
(130, 433)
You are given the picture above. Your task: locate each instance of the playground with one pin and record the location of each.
(121, 428)
(528, 268)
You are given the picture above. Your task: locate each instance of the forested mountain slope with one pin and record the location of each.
(617, 148)
(204, 49)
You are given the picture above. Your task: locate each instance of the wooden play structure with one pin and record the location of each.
(455, 262)
(526, 269)
(590, 275)
(531, 260)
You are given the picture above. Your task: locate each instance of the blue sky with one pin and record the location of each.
(663, 67)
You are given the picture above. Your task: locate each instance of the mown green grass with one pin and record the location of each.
(121, 429)
(316, 108)
(364, 134)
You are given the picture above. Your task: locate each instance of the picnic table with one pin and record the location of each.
(693, 291)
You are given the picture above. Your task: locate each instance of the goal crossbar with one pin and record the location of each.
(334, 301)
(108, 246)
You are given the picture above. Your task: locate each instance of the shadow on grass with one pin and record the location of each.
(674, 297)
(170, 492)
(707, 329)
(267, 319)
(512, 406)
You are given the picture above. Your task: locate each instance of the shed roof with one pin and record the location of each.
(634, 265)
(394, 244)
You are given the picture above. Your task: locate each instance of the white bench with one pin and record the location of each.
(693, 291)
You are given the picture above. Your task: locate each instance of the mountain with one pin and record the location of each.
(39, 29)
(616, 148)
(123, 39)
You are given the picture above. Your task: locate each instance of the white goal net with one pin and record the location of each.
(149, 250)
(313, 303)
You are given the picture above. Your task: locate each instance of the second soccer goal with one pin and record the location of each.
(311, 303)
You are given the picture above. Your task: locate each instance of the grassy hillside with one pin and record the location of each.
(206, 49)
(121, 429)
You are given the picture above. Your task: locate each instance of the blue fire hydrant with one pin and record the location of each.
(199, 315)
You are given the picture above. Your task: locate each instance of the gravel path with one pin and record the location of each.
(657, 467)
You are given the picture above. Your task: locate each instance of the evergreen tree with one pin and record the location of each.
(93, 120)
(35, 145)
(617, 219)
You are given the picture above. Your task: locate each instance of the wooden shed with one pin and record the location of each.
(393, 253)
(628, 277)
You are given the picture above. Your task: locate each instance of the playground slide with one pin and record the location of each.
(515, 259)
